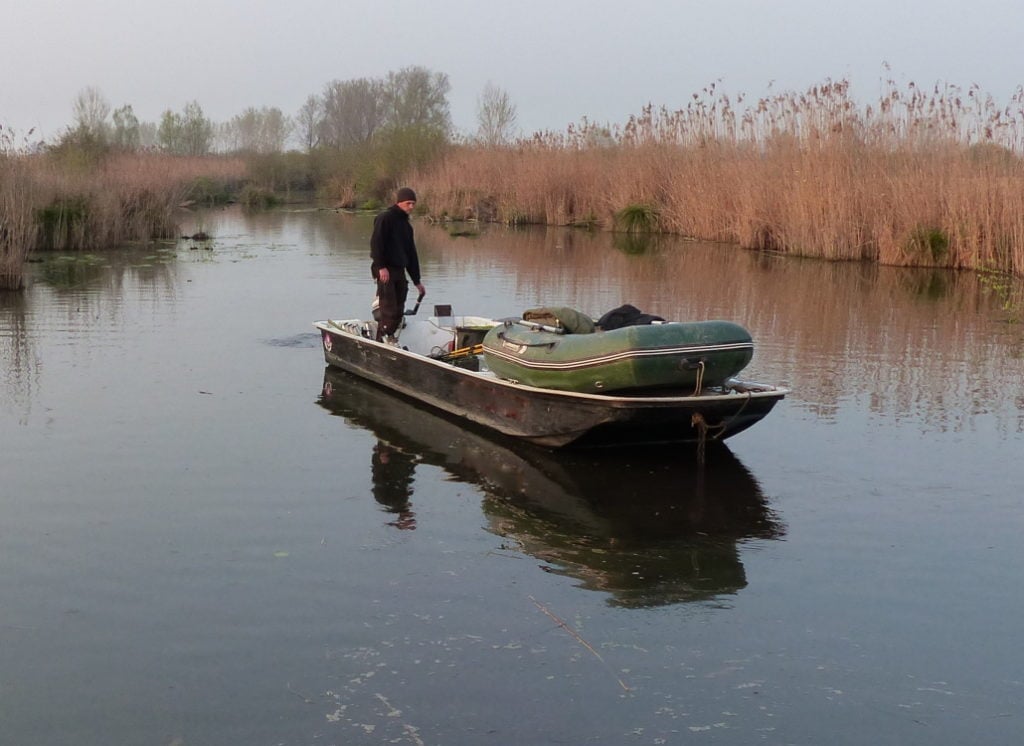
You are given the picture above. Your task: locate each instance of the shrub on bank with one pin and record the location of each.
(257, 198)
(204, 190)
(286, 173)
(637, 219)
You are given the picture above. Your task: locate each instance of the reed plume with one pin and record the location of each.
(919, 178)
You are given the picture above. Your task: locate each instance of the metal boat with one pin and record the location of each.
(440, 360)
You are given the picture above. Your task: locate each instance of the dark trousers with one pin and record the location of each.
(392, 294)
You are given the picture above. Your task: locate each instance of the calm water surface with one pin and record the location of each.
(206, 538)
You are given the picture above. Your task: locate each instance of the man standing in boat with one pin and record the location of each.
(393, 254)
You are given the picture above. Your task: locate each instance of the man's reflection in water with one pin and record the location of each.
(392, 483)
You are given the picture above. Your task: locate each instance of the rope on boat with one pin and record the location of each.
(700, 378)
(725, 423)
(698, 422)
(703, 428)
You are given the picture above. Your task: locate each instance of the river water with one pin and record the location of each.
(206, 538)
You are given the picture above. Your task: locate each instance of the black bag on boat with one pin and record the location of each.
(626, 315)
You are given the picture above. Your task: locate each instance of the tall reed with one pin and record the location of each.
(47, 204)
(18, 228)
(920, 178)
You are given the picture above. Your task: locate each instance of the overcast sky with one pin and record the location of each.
(559, 60)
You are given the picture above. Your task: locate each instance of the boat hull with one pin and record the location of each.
(671, 355)
(547, 417)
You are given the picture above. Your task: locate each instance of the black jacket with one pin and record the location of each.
(392, 245)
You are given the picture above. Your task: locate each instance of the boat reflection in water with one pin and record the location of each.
(648, 527)
(393, 469)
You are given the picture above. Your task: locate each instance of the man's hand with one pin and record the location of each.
(423, 290)
(383, 275)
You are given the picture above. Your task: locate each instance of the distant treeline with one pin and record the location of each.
(109, 178)
(354, 135)
(919, 178)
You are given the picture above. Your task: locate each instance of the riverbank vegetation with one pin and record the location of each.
(917, 178)
(110, 178)
(920, 178)
(47, 203)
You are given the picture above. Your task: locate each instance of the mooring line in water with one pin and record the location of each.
(564, 625)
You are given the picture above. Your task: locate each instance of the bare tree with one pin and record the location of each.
(352, 111)
(496, 116)
(241, 131)
(148, 137)
(415, 97)
(90, 113)
(126, 128)
(196, 130)
(188, 133)
(307, 121)
(275, 130)
(169, 134)
(258, 130)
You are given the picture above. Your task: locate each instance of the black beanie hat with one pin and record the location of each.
(405, 194)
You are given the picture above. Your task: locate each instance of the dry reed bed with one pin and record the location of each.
(18, 229)
(44, 204)
(919, 179)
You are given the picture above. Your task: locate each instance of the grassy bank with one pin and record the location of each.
(918, 179)
(49, 203)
